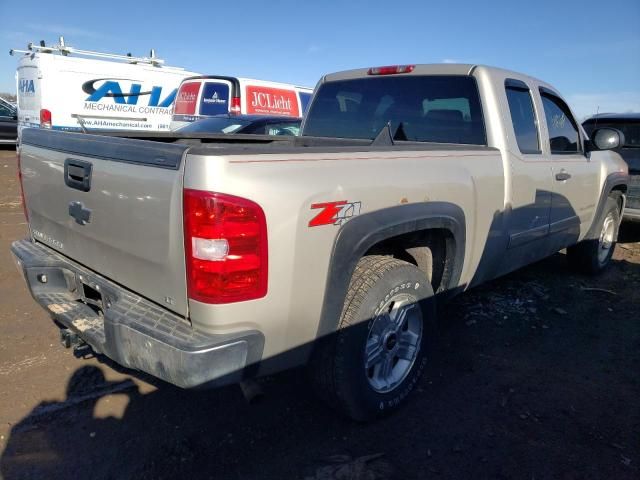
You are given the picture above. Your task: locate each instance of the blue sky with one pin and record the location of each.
(589, 50)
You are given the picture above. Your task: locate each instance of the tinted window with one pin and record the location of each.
(443, 109)
(215, 125)
(563, 131)
(524, 121)
(6, 110)
(282, 129)
(305, 98)
(630, 129)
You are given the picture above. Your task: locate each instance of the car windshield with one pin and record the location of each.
(437, 108)
(215, 125)
(630, 128)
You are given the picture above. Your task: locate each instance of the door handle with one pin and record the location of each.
(562, 176)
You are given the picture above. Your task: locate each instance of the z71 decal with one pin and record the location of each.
(334, 213)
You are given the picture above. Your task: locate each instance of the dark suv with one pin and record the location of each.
(8, 122)
(629, 125)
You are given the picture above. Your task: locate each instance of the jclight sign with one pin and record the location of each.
(272, 101)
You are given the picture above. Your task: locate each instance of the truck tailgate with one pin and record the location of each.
(111, 204)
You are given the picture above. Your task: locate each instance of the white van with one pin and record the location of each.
(64, 88)
(207, 96)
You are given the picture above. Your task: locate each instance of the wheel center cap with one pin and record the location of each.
(392, 340)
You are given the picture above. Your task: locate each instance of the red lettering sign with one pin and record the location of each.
(272, 101)
(186, 98)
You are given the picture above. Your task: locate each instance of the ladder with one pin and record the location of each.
(66, 50)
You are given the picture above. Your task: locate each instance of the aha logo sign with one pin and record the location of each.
(26, 86)
(111, 89)
(272, 101)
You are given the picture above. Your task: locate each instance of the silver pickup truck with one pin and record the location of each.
(208, 260)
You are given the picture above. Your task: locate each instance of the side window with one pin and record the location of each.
(6, 111)
(305, 98)
(563, 130)
(523, 117)
(283, 129)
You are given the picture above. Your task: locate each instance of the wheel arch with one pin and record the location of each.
(615, 184)
(363, 233)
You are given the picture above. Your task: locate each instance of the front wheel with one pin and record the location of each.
(384, 339)
(593, 255)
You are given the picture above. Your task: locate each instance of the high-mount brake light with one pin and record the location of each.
(391, 69)
(225, 241)
(45, 118)
(235, 108)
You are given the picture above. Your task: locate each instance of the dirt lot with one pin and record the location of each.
(538, 378)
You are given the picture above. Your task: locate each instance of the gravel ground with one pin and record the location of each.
(538, 378)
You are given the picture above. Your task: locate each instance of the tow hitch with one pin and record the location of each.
(70, 339)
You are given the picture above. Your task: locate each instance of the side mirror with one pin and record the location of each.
(607, 139)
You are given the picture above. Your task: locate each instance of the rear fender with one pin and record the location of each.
(360, 233)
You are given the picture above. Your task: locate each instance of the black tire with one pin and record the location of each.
(589, 256)
(338, 364)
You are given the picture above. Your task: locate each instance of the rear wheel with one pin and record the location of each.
(593, 255)
(384, 339)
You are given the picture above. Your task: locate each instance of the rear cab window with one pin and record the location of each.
(425, 108)
(523, 116)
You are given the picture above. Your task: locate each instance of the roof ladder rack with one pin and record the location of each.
(65, 50)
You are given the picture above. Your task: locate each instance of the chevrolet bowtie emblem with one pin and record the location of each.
(81, 214)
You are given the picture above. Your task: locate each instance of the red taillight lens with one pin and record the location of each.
(391, 69)
(45, 118)
(235, 106)
(24, 203)
(225, 241)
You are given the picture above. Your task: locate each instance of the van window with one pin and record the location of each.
(563, 130)
(305, 98)
(437, 108)
(186, 98)
(523, 118)
(215, 99)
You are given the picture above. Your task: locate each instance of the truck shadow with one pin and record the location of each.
(501, 401)
(629, 232)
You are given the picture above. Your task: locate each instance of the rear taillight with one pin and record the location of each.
(45, 118)
(391, 69)
(225, 240)
(24, 203)
(235, 107)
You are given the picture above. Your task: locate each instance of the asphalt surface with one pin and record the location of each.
(538, 378)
